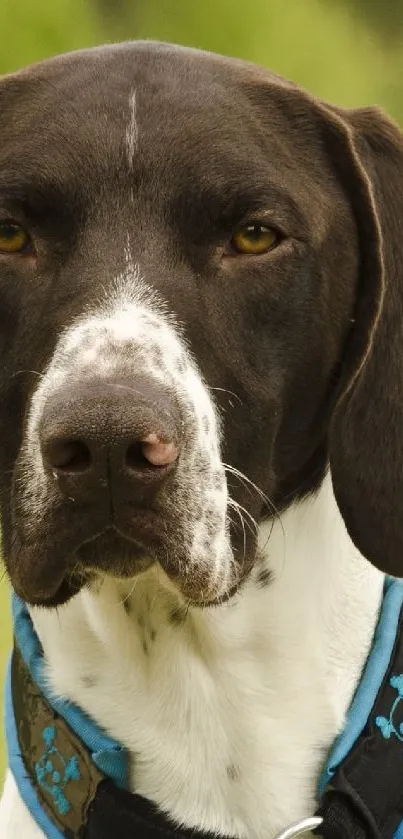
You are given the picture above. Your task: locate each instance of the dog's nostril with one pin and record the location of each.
(135, 458)
(68, 456)
(151, 452)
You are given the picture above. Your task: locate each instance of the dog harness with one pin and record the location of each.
(74, 779)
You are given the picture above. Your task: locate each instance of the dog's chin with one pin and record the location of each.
(76, 582)
(115, 555)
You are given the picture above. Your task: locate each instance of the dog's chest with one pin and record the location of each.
(226, 732)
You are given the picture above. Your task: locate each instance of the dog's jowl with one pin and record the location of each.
(201, 457)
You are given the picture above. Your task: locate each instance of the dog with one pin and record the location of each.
(201, 414)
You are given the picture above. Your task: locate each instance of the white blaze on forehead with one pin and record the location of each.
(132, 130)
(131, 272)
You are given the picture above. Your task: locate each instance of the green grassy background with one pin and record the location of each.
(348, 51)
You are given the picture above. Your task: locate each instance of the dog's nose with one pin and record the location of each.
(110, 437)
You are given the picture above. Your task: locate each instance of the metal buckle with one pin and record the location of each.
(302, 826)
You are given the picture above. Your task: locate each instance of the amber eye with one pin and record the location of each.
(14, 239)
(254, 239)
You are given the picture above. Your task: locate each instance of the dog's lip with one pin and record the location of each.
(110, 539)
(222, 599)
(45, 590)
(55, 583)
(72, 585)
(40, 569)
(68, 588)
(135, 548)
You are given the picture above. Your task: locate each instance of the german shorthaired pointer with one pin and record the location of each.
(201, 421)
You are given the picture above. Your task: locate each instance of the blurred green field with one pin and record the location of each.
(347, 51)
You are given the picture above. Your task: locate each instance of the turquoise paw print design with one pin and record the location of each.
(387, 724)
(54, 773)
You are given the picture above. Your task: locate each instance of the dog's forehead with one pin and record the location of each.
(157, 122)
(115, 68)
(159, 93)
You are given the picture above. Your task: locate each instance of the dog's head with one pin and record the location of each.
(201, 307)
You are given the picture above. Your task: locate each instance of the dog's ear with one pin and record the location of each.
(366, 428)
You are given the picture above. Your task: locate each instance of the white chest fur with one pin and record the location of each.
(228, 712)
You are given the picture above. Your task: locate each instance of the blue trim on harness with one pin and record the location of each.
(108, 755)
(374, 674)
(17, 768)
(399, 832)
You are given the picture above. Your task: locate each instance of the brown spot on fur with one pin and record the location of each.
(89, 681)
(232, 772)
(264, 578)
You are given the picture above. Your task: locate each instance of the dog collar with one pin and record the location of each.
(74, 779)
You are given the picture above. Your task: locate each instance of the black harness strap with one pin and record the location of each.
(364, 800)
(116, 812)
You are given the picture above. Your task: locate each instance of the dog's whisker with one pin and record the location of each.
(128, 596)
(277, 515)
(234, 506)
(230, 392)
(251, 485)
(254, 527)
(28, 373)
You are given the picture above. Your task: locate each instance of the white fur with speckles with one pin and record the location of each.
(230, 713)
(132, 318)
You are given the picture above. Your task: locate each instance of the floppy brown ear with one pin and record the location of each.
(366, 429)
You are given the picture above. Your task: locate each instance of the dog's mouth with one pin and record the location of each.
(108, 554)
(129, 560)
(45, 577)
(113, 553)
(50, 572)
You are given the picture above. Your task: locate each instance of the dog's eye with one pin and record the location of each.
(254, 239)
(14, 239)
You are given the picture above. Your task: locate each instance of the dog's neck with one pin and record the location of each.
(228, 712)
